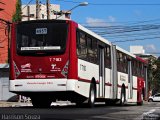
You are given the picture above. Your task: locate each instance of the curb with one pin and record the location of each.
(14, 104)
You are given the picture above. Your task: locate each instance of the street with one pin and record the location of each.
(99, 112)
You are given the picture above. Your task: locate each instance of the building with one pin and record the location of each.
(7, 9)
(29, 12)
(137, 50)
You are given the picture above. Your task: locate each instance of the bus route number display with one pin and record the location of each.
(41, 31)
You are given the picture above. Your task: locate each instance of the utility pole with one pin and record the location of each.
(37, 9)
(28, 12)
(48, 9)
(8, 30)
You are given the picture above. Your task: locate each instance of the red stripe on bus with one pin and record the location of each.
(108, 84)
(121, 86)
(86, 80)
(135, 88)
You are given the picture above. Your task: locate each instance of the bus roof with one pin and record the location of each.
(140, 59)
(104, 40)
(94, 34)
(125, 51)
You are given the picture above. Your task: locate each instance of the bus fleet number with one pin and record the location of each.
(82, 67)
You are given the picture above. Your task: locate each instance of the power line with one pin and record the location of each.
(27, 4)
(135, 39)
(122, 22)
(125, 4)
(153, 52)
(122, 29)
(114, 4)
(132, 35)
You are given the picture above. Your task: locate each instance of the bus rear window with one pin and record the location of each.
(44, 37)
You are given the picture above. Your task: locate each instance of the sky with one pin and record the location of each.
(123, 22)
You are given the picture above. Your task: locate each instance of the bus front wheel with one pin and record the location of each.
(92, 95)
(123, 97)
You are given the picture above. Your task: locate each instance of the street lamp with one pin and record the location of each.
(81, 4)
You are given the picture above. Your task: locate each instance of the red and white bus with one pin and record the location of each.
(61, 60)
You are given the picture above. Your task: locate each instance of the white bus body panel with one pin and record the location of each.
(122, 79)
(108, 88)
(86, 71)
(134, 99)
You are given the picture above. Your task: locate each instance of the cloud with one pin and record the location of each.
(100, 22)
(150, 48)
(96, 22)
(111, 19)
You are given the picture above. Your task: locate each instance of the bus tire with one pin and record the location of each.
(123, 97)
(92, 95)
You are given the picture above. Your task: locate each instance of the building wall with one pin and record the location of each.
(137, 50)
(4, 83)
(42, 11)
(6, 14)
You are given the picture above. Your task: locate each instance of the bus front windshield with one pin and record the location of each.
(41, 36)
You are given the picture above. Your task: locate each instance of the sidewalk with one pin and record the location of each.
(13, 104)
(19, 104)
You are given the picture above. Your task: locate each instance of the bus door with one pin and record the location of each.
(114, 72)
(101, 72)
(130, 80)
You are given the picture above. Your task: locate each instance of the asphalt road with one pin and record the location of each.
(99, 112)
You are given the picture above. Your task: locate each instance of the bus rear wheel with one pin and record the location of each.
(123, 97)
(92, 95)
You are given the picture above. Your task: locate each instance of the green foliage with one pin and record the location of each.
(17, 16)
(154, 75)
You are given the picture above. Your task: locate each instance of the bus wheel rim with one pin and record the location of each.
(92, 96)
(123, 98)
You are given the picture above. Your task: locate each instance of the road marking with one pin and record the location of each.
(105, 117)
(148, 115)
(149, 112)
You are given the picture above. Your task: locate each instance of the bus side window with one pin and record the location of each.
(91, 50)
(133, 68)
(107, 57)
(125, 63)
(119, 61)
(81, 46)
(94, 48)
(138, 69)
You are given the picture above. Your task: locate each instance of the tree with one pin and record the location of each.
(154, 75)
(17, 16)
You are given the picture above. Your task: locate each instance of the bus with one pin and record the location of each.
(62, 60)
